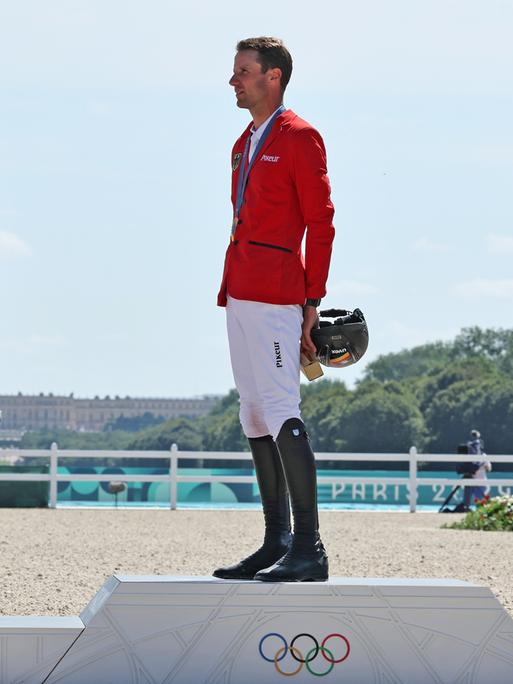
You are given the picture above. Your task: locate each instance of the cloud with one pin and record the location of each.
(351, 287)
(428, 246)
(400, 334)
(11, 245)
(500, 244)
(485, 287)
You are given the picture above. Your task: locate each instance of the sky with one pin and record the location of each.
(116, 125)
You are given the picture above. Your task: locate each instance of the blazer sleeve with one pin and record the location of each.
(313, 190)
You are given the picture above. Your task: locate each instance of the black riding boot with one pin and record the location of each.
(306, 561)
(275, 502)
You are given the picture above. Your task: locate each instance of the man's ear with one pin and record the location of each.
(275, 74)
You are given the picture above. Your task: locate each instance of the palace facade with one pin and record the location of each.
(53, 412)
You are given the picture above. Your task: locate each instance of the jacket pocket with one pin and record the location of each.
(269, 246)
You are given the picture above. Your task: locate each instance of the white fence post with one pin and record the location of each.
(53, 475)
(173, 472)
(413, 479)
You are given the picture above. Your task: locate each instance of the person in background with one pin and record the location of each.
(476, 448)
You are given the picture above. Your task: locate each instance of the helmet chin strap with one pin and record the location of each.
(346, 316)
(324, 355)
(333, 313)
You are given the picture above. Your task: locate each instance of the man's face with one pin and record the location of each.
(250, 84)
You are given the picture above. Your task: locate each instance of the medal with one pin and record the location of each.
(235, 223)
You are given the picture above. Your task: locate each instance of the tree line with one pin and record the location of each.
(429, 396)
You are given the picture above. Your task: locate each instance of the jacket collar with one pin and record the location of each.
(282, 121)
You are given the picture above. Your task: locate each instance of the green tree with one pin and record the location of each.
(222, 429)
(409, 363)
(490, 343)
(381, 417)
(134, 423)
(467, 371)
(187, 434)
(319, 401)
(223, 432)
(484, 403)
(68, 439)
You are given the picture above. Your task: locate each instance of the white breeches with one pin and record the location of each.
(264, 349)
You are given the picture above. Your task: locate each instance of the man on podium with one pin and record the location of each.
(271, 292)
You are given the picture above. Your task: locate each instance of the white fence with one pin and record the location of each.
(410, 478)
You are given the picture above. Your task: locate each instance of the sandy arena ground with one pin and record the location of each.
(54, 561)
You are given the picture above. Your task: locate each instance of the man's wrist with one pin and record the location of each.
(313, 302)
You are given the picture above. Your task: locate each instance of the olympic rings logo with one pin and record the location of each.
(297, 655)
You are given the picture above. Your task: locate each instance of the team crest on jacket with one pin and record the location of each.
(236, 161)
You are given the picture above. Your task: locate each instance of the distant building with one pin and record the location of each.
(10, 436)
(52, 412)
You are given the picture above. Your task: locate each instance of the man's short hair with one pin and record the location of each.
(272, 54)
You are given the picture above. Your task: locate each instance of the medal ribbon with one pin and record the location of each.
(242, 180)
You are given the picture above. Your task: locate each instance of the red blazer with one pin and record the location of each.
(288, 191)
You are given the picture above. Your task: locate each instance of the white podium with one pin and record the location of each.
(186, 630)
(30, 647)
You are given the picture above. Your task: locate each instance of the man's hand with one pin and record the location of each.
(310, 321)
